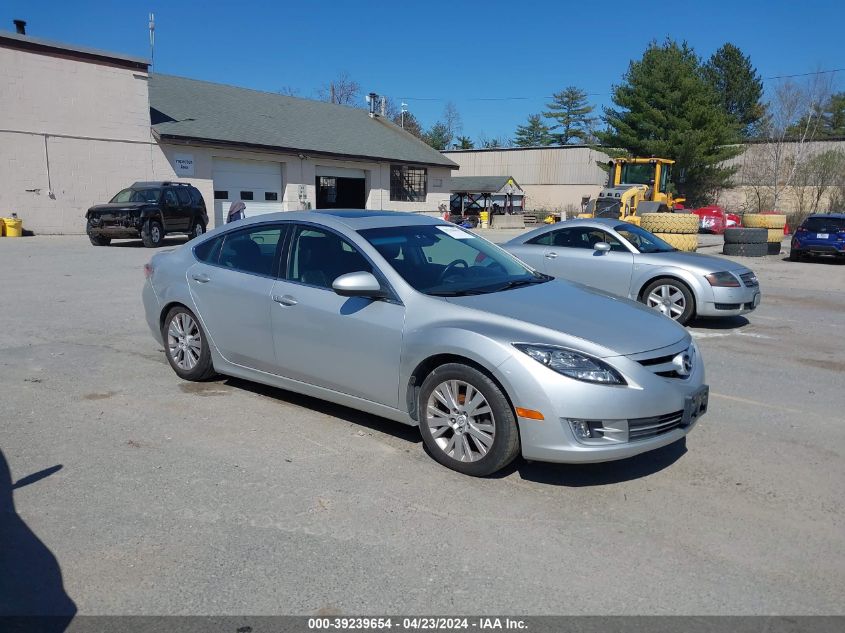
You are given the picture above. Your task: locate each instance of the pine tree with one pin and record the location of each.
(666, 108)
(409, 122)
(739, 86)
(465, 142)
(534, 134)
(571, 112)
(438, 136)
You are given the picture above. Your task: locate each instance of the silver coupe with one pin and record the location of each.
(417, 320)
(628, 261)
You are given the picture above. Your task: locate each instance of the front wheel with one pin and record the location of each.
(96, 240)
(186, 345)
(466, 421)
(670, 297)
(152, 234)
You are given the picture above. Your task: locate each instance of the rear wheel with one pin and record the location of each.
(466, 421)
(795, 255)
(199, 229)
(186, 345)
(670, 297)
(152, 234)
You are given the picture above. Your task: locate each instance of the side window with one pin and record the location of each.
(196, 197)
(184, 196)
(318, 257)
(546, 239)
(209, 251)
(169, 198)
(252, 250)
(615, 245)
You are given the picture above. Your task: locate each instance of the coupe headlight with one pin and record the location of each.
(722, 279)
(572, 364)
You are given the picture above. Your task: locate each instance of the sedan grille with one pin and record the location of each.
(643, 428)
(663, 366)
(749, 279)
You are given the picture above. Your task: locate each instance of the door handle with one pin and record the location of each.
(551, 255)
(200, 277)
(285, 300)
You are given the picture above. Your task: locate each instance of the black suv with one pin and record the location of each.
(149, 210)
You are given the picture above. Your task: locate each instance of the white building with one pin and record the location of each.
(553, 178)
(77, 125)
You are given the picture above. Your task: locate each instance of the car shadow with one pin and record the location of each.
(721, 323)
(168, 241)
(374, 422)
(30, 576)
(601, 474)
(830, 261)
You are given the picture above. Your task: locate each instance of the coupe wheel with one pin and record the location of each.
(466, 421)
(186, 345)
(152, 234)
(670, 297)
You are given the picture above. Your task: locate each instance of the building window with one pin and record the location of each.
(221, 195)
(246, 195)
(271, 196)
(328, 188)
(407, 184)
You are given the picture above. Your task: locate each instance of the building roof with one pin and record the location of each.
(199, 111)
(480, 184)
(49, 47)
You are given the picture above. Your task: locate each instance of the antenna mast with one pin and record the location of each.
(152, 38)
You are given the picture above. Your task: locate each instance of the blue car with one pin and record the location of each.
(821, 234)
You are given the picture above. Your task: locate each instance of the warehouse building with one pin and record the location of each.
(552, 178)
(80, 124)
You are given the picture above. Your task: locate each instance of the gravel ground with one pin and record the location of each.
(157, 496)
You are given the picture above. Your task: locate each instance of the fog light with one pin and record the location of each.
(581, 428)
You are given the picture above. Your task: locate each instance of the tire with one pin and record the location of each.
(775, 235)
(681, 223)
(662, 295)
(197, 230)
(152, 234)
(188, 360)
(795, 255)
(96, 240)
(746, 250)
(758, 220)
(688, 243)
(773, 248)
(435, 417)
(746, 236)
(584, 215)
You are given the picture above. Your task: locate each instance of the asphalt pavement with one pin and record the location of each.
(137, 493)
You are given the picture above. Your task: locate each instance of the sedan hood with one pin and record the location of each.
(707, 263)
(620, 325)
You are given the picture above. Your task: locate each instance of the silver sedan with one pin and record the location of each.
(628, 261)
(419, 321)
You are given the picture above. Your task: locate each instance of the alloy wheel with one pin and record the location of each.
(155, 233)
(184, 341)
(460, 420)
(198, 230)
(668, 299)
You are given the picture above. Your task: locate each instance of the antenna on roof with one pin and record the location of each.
(152, 38)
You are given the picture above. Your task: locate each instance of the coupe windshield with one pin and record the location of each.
(150, 196)
(448, 261)
(642, 240)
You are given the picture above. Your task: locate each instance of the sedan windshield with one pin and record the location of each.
(149, 196)
(448, 261)
(642, 240)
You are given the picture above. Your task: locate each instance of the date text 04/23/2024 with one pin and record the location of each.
(417, 623)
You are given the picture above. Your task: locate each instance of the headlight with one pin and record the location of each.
(572, 364)
(723, 279)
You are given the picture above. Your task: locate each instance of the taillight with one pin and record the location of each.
(148, 270)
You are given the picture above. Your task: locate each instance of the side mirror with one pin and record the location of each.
(359, 284)
(602, 247)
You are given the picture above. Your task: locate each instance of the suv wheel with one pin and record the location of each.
(152, 234)
(466, 422)
(199, 229)
(186, 345)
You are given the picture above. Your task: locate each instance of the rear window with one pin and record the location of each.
(209, 251)
(824, 225)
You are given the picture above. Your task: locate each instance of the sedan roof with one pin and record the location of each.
(355, 219)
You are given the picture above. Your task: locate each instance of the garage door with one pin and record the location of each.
(258, 184)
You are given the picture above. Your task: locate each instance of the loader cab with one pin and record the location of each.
(654, 173)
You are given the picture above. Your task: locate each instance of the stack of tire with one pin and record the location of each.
(746, 242)
(773, 223)
(678, 229)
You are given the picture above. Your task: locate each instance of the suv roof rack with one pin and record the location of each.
(159, 183)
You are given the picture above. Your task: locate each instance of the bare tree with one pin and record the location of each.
(289, 91)
(452, 120)
(792, 123)
(343, 90)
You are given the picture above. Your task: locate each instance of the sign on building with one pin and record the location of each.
(183, 164)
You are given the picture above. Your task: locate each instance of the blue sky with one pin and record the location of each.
(498, 61)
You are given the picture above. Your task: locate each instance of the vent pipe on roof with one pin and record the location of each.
(372, 101)
(20, 26)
